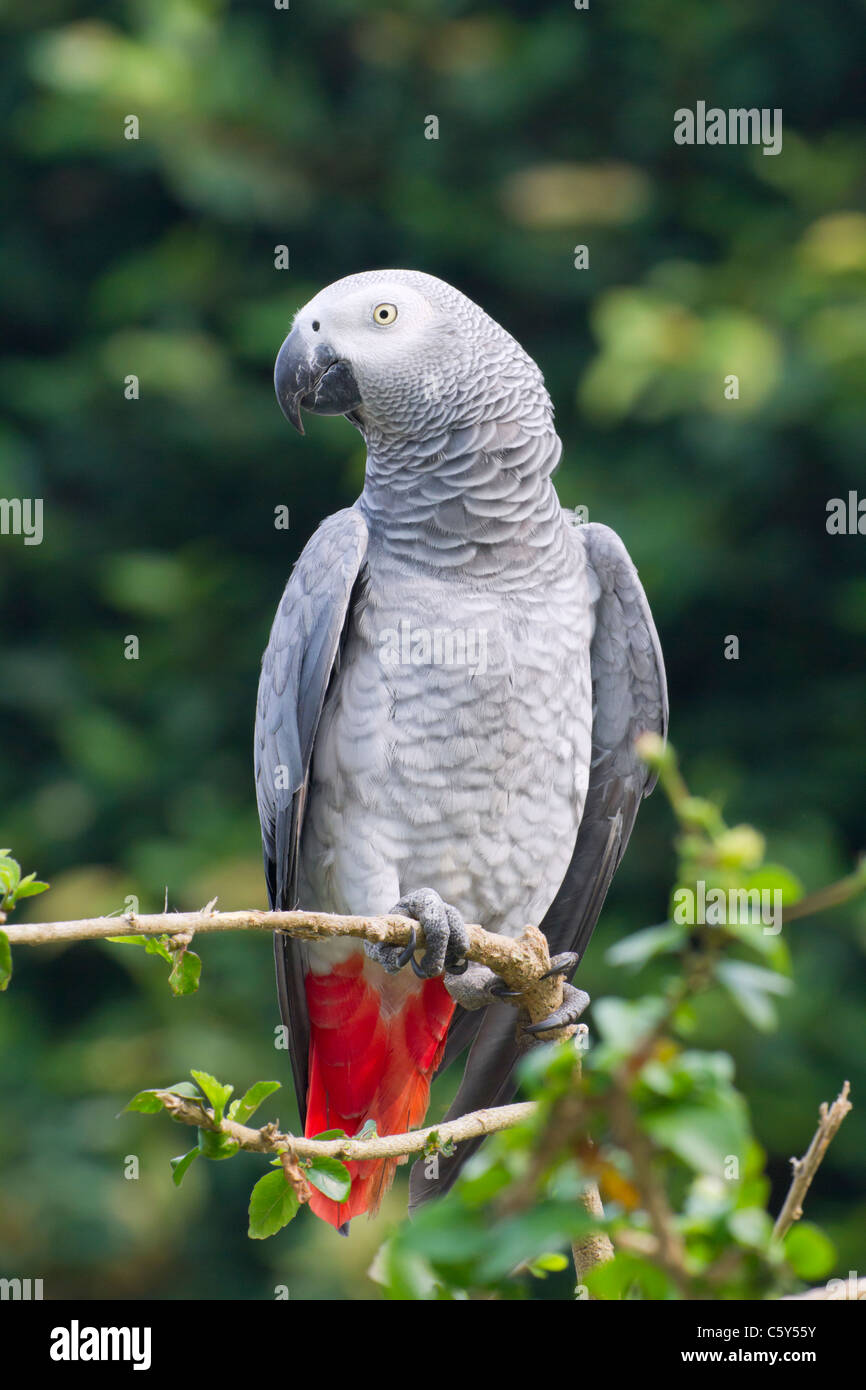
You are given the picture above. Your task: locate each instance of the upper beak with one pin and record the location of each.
(311, 375)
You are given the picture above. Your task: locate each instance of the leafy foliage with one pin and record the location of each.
(657, 1123)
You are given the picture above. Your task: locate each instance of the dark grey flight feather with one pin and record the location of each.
(629, 698)
(301, 657)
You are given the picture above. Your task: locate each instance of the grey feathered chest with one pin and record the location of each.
(455, 742)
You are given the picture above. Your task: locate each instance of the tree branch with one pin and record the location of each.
(806, 1167)
(270, 1140)
(521, 962)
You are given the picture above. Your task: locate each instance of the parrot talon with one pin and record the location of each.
(408, 953)
(574, 1001)
(501, 991)
(562, 965)
(445, 935)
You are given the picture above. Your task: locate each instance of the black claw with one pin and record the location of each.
(567, 963)
(459, 969)
(503, 992)
(556, 970)
(408, 953)
(422, 974)
(547, 1025)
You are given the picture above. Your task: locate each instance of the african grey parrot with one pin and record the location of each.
(447, 711)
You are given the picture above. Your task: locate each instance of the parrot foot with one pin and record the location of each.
(574, 1001)
(477, 986)
(445, 934)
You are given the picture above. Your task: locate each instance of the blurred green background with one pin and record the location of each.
(261, 127)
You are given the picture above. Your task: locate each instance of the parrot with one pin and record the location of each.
(446, 717)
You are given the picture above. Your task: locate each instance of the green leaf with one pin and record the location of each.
(405, 1274)
(331, 1134)
(703, 1136)
(529, 1235)
(368, 1130)
(547, 1264)
(147, 1102)
(273, 1203)
(246, 1105)
(10, 876)
(158, 946)
(29, 887)
(180, 1165)
(749, 986)
(776, 878)
(217, 1146)
(331, 1177)
(623, 1023)
(184, 1088)
(215, 1091)
(751, 1226)
(613, 1279)
(128, 940)
(808, 1251)
(635, 950)
(5, 961)
(185, 973)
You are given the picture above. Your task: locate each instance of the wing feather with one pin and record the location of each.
(300, 658)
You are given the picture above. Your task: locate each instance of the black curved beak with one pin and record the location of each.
(310, 375)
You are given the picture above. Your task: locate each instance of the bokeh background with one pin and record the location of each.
(262, 127)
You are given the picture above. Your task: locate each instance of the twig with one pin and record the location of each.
(521, 962)
(595, 1247)
(670, 1253)
(834, 895)
(270, 1140)
(806, 1167)
(308, 925)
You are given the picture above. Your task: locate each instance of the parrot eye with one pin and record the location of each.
(384, 314)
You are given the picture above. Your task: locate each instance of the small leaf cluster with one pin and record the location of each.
(185, 964)
(12, 889)
(274, 1200)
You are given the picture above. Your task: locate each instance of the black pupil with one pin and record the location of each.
(383, 313)
(315, 325)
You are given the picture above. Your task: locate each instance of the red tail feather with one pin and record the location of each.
(375, 1041)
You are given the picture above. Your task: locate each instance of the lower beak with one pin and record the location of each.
(310, 375)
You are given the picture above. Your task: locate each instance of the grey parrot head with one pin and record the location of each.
(401, 353)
